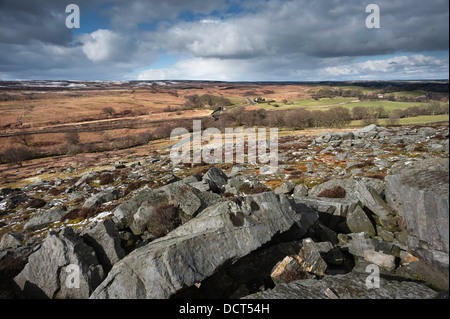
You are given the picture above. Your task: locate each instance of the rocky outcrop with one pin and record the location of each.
(62, 261)
(194, 251)
(419, 194)
(219, 240)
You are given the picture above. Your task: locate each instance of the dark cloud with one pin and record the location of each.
(316, 28)
(295, 39)
(22, 21)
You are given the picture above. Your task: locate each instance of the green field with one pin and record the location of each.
(424, 119)
(407, 93)
(388, 105)
(326, 104)
(307, 103)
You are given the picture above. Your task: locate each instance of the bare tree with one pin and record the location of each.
(108, 110)
(23, 139)
(72, 138)
(16, 155)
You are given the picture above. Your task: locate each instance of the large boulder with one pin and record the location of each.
(45, 218)
(11, 241)
(219, 235)
(105, 240)
(50, 270)
(349, 184)
(419, 194)
(372, 200)
(101, 198)
(216, 176)
(332, 211)
(136, 212)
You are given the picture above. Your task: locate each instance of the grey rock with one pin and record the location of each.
(348, 286)
(426, 131)
(349, 184)
(45, 218)
(142, 217)
(105, 240)
(194, 251)
(421, 271)
(342, 156)
(202, 186)
(372, 200)
(170, 178)
(357, 221)
(192, 179)
(301, 190)
(83, 179)
(359, 243)
(233, 184)
(216, 176)
(332, 211)
(124, 213)
(286, 188)
(384, 234)
(310, 258)
(356, 171)
(11, 240)
(46, 275)
(101, 198)
(378, 258)
(236, 170)
(367, 129)
(434, 147)
(419, 194)
(183, 195)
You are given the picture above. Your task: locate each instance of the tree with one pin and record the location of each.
(108, 110)
(23, 139)
(72, 138)
(16, 155)
(394, 119)
(359, 112)
(339, 116)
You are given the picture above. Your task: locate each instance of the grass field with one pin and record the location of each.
(308, 103)
(348, 103)
(388, 105)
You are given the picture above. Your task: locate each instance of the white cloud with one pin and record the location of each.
(417, 66)
(198, 69)
(106, 45)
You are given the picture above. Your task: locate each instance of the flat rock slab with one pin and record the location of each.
(348, 286)
(196, 250)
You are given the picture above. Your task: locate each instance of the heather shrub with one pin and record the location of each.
(246, 188)
(334, 192)
(80, 213)
(106, 179)
(165, 218)
(36, 203)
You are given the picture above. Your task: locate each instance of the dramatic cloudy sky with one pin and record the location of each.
(233, 40)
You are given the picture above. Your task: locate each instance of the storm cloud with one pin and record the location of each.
(224, 40)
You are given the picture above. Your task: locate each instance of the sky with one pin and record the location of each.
(224, 40)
